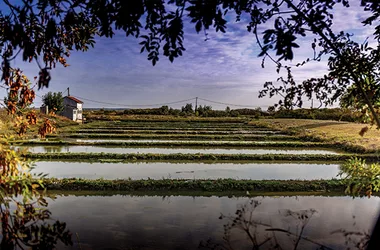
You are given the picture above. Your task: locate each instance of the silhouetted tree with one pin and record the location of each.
(188, 108)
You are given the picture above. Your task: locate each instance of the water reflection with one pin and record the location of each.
(159, 170)
(163, 150)
(182, 222)
(176, 141)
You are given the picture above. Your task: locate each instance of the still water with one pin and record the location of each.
(145, 150)
(182, 222)
(179, 128)
(176, 141)
(159, 170)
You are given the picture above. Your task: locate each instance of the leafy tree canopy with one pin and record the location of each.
(188, 108)
(48, 31)
(54, 101)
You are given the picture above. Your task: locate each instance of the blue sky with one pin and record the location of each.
(224, 69)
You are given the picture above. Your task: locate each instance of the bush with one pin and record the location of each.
(336, 114)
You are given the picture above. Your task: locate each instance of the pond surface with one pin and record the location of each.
(176, 141)
(159, 170)
(145, 150)
(182, 222)
(188, 137)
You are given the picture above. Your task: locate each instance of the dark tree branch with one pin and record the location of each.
(337, 51)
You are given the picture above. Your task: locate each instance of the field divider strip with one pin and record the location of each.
(200, 157)
(218, 185)
(168, 132)
(181, 144)
(242, 137)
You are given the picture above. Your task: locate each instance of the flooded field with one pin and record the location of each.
(162, 150)
(182, 222)
(164, 141)
(159, 170)
(148, 220)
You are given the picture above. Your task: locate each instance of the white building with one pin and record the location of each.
(73, 108)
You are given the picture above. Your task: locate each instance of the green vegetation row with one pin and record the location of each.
(177, 144)
(199, 157)
(171, 124)
(219, 185)
(347, 147)
(337, 114)
(153, 119)
(175, 128)
(182, 136)
(200, 111)
(189, 132)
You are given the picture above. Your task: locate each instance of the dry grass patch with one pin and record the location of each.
(7, 126)
(350, 134)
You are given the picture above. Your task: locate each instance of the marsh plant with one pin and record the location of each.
(246, 230)
(25, 221)
(360, 177)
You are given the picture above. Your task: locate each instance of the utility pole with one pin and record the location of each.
(196, 104)
(68, 91)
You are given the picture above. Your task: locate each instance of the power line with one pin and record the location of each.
(228, 104)
(156, 104)
(161, 104)
(135, 105)
(62, 92)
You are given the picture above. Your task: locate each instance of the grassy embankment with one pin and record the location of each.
(239, 137)
(226, 131)
(111, 157)
(185, 144)
(8, 129)
(344, 134)
(299, 129)
(220, 185)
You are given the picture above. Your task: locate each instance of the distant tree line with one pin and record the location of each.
(189, 110)
(338, 114)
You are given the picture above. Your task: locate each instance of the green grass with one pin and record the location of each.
(182, 123)
(181, 137)
(221, 185)
(184, 144)
(165, 118)
(168, 132)
(174, 127)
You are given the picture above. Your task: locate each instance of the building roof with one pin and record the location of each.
(74, 99)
